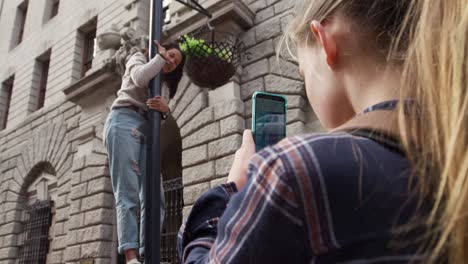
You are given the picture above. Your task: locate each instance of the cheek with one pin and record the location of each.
(168, 68)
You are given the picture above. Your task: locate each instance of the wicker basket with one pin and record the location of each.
(214, 62)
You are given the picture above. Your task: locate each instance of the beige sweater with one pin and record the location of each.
(138, 74)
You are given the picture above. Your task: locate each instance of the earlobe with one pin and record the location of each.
(327, 41)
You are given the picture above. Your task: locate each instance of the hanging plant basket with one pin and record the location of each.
(212, 57)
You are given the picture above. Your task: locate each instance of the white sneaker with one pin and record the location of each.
(134, 261)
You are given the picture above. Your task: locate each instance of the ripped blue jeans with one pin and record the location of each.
(126, 147)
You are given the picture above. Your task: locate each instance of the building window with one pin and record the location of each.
(20, 23)
(88, 33)
(42, 68)
(55, 8)
(88, 51)
(51, 9)
(38, 220)
(5, 100)
(1, 8)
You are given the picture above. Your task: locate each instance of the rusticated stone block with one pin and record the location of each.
(255, 70)
(192, 193)
(96, 249)
(205, 117)
(194, 155)
(198, 173)
(102, 184)
(231, 125)
(96, 201)
(99, 216)
(277, 84)
(204, 135)
(94, 233)
(196, 106)
(229, 108)
(223, 166)
(224, 146)
(72, 253)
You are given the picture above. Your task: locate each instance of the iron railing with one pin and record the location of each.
(36, 234)
(173, 193)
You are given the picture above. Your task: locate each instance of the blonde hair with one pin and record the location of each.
(436, 75)
(432, 37)
(380, 19)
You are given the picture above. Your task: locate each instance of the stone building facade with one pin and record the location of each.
(57, 86)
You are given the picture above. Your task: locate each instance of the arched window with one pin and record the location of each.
(38, 216)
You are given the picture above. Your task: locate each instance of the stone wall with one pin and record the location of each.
(46, 136)
(211, 133)
(264, 71)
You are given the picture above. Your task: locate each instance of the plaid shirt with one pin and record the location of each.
(326, 198)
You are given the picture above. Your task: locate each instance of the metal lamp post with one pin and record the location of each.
(153, 164)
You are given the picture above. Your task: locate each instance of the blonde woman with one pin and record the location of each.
(347, 196)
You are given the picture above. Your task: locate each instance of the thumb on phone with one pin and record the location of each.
(247, 140)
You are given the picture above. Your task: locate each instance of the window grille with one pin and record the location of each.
(36, 234)
(173, 191)
(87, 34)
(43, 63)
(89, 51)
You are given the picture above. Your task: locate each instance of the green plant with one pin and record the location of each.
(199, 48)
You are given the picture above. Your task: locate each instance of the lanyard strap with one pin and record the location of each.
(386, 105)
(391, 105)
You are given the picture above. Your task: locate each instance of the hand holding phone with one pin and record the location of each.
(268, 119)
(238, 172)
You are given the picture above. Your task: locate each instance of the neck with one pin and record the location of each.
(367, 86)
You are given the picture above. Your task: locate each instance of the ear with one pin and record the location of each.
(327, 41)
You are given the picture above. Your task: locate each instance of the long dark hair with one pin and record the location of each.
(172, 79)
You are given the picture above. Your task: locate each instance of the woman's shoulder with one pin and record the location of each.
(292, 151)
(137, 58)
(317, 142)
(332, 150)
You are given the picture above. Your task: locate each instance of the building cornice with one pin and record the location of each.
(184, 20)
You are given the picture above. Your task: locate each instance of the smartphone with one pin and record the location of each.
(268, 119)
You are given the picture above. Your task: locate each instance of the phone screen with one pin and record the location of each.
(269, 124)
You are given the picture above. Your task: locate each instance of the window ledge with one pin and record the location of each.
(94, 85)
